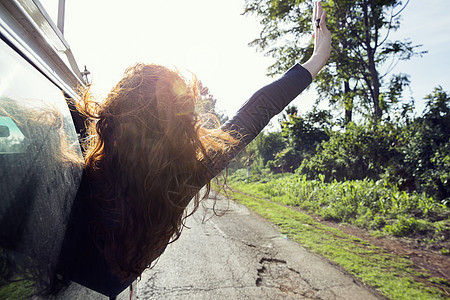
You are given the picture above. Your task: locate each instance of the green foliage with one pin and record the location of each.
(284, 151)
(393, 94)
(405, 226)
(268, 145)
(426, 148)
(391, 177)
(365, 203)
(414, 155)
(302, 134)
(361, 151)
(13, 284)
(18, 289)
(259, 154)
(360, 46)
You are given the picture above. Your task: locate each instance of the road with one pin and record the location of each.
(241, 256)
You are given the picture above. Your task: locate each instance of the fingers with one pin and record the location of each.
(318, 7)
(314, 16)
(317, 10)
(321, 35)
(317, 15)
(323, 19)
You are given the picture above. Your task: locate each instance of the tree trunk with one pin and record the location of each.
(376, 96)
(374, 78)
(348, 103)
(347, 100)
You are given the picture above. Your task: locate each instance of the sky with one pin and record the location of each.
(210, 38)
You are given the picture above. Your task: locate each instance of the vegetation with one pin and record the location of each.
(412, 154)
(390, 177)
(19, 289)
(386, 143)
(384, 169)
(15, 282)
(393, 276)
(368, 204)
(353, 78)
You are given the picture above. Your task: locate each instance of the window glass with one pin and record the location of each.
(12, 139)
(40, 171)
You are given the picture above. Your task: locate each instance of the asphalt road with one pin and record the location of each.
(241, 256)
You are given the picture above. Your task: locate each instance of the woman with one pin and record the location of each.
(148, 155)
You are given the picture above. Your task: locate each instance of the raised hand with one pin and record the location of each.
(322, 41)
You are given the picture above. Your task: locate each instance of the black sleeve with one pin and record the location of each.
(256, 113)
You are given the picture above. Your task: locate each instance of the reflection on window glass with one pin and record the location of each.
(40, 171)
(11, 138)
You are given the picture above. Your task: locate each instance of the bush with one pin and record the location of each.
(415, 156)
(361, 151)
(426, 148)
(407, 226)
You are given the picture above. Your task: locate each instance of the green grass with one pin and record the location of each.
(367, 204)
(393, 276)
(15, 281)
(20, 289)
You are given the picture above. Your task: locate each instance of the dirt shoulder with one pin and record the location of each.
(425, 257)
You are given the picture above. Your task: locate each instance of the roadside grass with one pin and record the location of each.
(19, 289)
(393, 276)
(367, 204)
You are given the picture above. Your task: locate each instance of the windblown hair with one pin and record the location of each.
(36, 122)
(149, 150)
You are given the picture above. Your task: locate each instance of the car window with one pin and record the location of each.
(12, 139)
(40, 171)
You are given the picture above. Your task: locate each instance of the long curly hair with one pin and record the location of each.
(148, 149)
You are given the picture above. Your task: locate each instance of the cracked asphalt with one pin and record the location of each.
(241, 256)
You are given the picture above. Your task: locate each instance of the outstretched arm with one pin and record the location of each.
(270, 100)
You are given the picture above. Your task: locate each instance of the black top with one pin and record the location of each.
(80, 259)
(257, 112)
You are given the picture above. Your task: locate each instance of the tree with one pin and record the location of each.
(259, 152)
(413, 155)
(207, 107)
(426, 147)
(302, 135)
(360, 48)
(268, 145)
